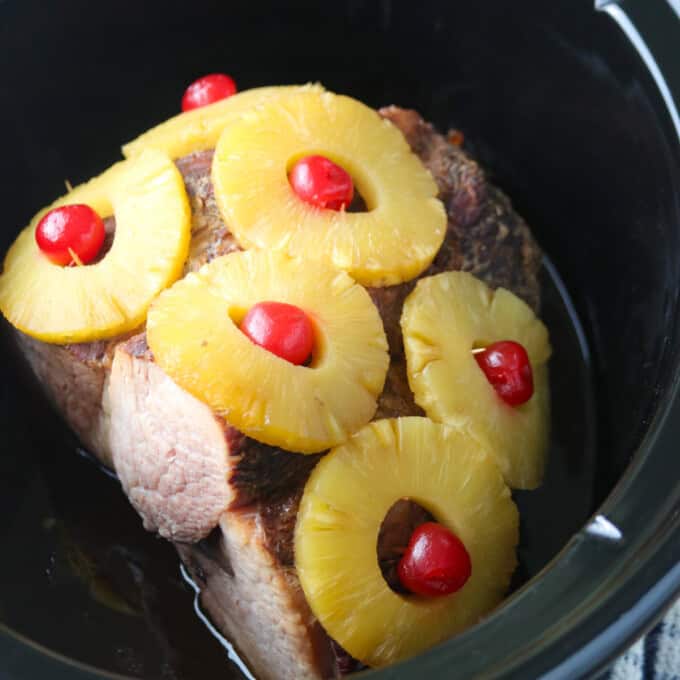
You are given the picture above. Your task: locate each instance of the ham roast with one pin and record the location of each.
(227, 502)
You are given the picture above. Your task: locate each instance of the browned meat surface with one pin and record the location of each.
(210, 238)
(188, 472)
(484, 235)
(396, 399)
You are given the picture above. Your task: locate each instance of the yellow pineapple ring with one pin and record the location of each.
(443, 319)
(192, 330)
(199, 129)
(345, 501)
(394, 241)
(79, 304)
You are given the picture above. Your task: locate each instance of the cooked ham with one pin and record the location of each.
(257, 601)
(229, 503)
(180, 464)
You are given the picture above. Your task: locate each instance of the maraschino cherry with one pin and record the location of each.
(506, 366)
(208, 90)
(435, 562)
(319, 181)
(70, 234)
(283, 329)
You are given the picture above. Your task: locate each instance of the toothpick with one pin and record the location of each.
(78, 262)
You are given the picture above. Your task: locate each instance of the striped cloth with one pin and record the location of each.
(656, 656)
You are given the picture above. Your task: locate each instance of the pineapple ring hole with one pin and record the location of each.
(365, 195)
(110, 235)
(400, 522)
(319, 350)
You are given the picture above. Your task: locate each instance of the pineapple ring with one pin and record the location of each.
(192, 330)
(80, 304)
(199, 130)
(442, 320)
(344, 503)
(393, 241)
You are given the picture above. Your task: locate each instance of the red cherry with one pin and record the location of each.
(284, 330)
(207, 90)
(72, 234)
(435, 562)
(319, 181)
(506, 366)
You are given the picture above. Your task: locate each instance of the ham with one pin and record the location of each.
(227, 502)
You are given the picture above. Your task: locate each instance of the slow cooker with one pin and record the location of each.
(573, 110)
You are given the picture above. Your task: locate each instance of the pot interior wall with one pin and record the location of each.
(552, 100)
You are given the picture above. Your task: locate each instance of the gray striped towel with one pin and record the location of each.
(656, 656)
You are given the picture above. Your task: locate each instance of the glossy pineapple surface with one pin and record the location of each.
(394, 240)
(345, 501)
(193, 332)
(444, 319)
(199, 129)
(83, 303)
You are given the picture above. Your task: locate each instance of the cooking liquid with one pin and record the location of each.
(81, 577)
